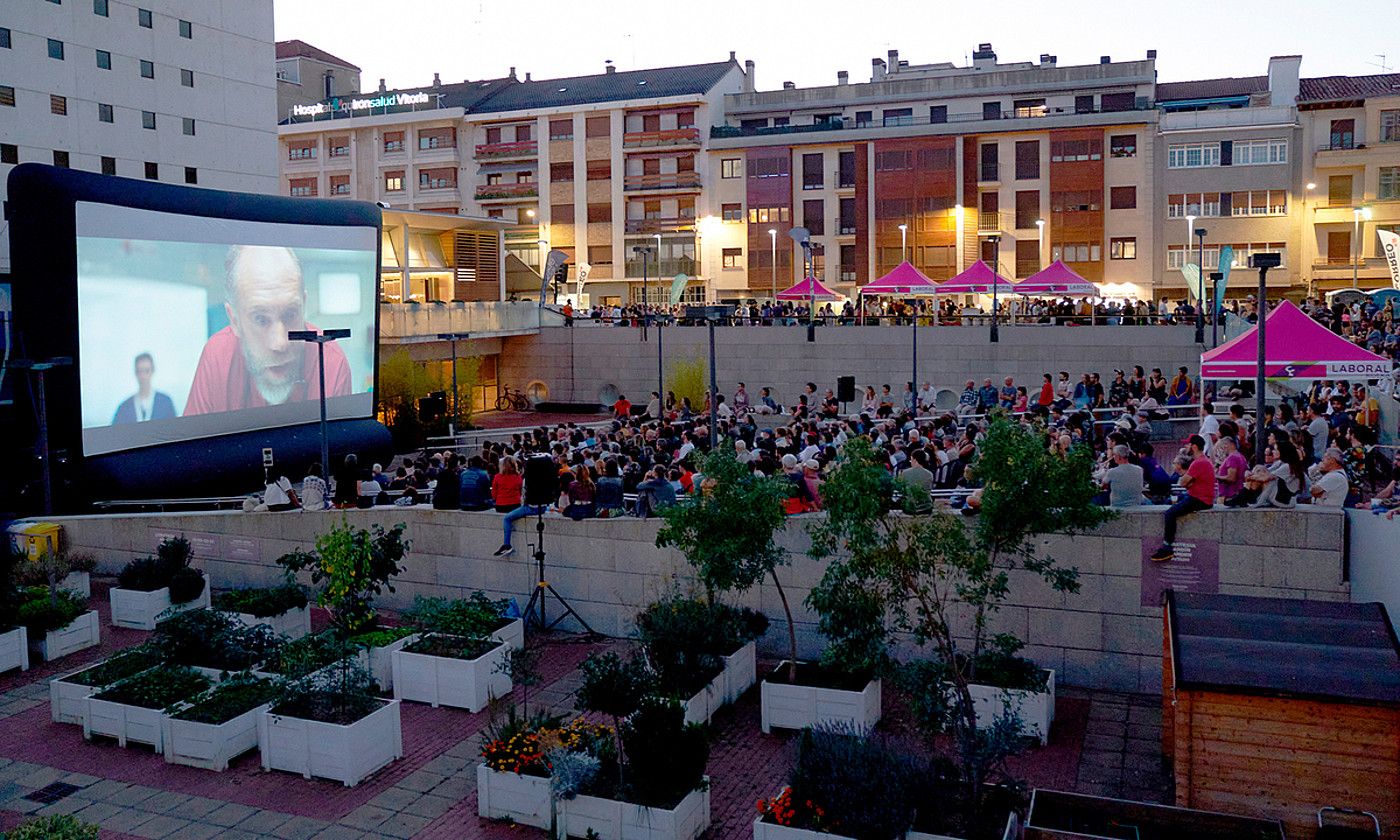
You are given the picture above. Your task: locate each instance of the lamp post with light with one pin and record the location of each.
(1201, 286)
(39, 368)
(773, 239)
(321, 339)
(1307, 196)
(644, 254)
(1358, 214)
(903, 241)
(453, 338)
(995, 337)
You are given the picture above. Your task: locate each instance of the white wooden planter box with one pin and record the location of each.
(379, 661)
(345, 753)
(797, 706)
(68, 701)
(210, 745)
(136, 610)
(14, 649)
(613, 820)
(123, 722)
(740, 671)
(469, 684)
(523, 799)
(1012, 831)
(293, 623)
(82, 632)
(79, 583)
(701, 707)
(512, 634)
(1036, 709)
(773, 831)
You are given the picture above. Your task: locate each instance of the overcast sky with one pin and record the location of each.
(807, 41)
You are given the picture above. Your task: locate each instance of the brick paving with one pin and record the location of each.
(1102, 743)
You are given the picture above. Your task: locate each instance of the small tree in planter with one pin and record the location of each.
(691, 645)
(728, 534)
(50, 568)
(211, 639)
(614, 687)
(148, 587)
(14, 637)
(354, 565)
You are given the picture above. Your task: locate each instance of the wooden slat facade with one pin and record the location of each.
(476, 265)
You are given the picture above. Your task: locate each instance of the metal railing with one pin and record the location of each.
(494, 151)
(672, 137)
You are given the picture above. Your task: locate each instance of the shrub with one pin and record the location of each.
(147, 574)
(615, 688)
(156, 689)
(381, 637)
(862, 785)
(512, 744)
(474, 616)
(339, 695)
(234, 696)
(452, 647)
(52, 567)
(185, 585)
(665, 756)
(263, 603)
(214, 640)
(307, 654)
(43, 611)
(57, 827)
(128, 663)
(355, 565)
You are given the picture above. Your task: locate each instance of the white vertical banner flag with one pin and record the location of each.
(1390, 249)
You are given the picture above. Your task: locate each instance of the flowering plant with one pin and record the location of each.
(525, 751)
(783, 810)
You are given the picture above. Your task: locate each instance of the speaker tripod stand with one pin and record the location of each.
(535, 610)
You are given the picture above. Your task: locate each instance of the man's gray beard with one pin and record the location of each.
(273, 395)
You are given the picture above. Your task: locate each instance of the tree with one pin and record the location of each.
(468, 370)
(688, 378)
(355, 565)
(729, 533)
(402, 382)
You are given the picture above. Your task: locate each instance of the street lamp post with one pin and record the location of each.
(995, 336)
(903, 240)
(660, 376)
(1039, 242)
(644, 253)
(454, 337)
(321, 339)
(1215, 278)
(39, 368)
(1307, 197)
(773, 239)
(1358, 214)
(1263, 262)
(1201, 286)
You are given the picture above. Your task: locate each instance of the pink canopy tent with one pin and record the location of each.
(905, 279)
(978, 279)
(806, 289)
(1295, 347)
(1055, 280)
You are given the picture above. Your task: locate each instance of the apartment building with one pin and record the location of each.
(1351, 141)
(307, 75)
(171, 90)
(1017, 164)
(1229, 162)
(594, 166)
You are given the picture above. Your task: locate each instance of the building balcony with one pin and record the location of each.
(674, 181)
(1345, 155)
(669, 268)
(415, 323)
(507, 151)
(506, 192)
(992, 222)
(301, 163)
(669, 224)
(435, 152)
(652, 139)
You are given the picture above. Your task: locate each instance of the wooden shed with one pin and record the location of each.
(1276, 708)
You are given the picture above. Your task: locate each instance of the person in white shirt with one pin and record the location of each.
(1210, 427)
(926, 395)
(1330, 488)
(314, 490)
(278, 495)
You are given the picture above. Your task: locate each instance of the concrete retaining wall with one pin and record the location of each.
(577, 363)
(608, 569)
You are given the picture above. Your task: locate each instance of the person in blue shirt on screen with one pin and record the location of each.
(147, 403)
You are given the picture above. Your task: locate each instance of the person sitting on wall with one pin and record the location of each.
(315, 493)
(1199, 482)
(278, 494)
(147, 403)
(251, 362)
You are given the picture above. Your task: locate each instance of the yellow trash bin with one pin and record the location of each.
(34, 538)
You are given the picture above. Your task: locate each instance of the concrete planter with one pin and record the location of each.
(740, 671)
(293, 623)
(468, 684)
(799, 706)
(379, 661)
(522, 799)
(14, 649)
(79, 583)
(82, 632)
(136, 610)
(210, 745)
(613, 820)
(345, 753)
(1035, 708)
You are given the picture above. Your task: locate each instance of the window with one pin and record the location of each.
(599, 170)
(600, 213)
(768, 215)
(1389, 184)
(1192, 155)
(9, 153)
(1084, 103)
(1179, 206)
(1027, 159)
(898, 116)
(561, 129)
(991, 110)
(1070, 151)
(187, 78)
(1342, 135)
(143, 18)
(338, 147)
(1077, 252)
(1023, 108)
(393, 181)
(1122, 146)
(733, 258)
(437, 138)
(1339, 190)
(731, 168)
(187, 127)
(104, 112)
(7, 95)
(597, 127)
(522, 133)
(109, 166)
(846, 169)
(148, 69)
(1121, 101)
(104, 60)
(1260, 152)
(99, 8)
(781, 121)
(192, 175)
(148, 120)
(493, 178)
(1255, 203)
(770, 167)
(393, 142)
(58, 105)
(753, 124)
(894, 160)
(526, 177)
(561, 172)
(1027, 208)
(60, 158)
(437, 179)
(304, 151)
(561, 214)
(1122, 198)
(732, 212)
(847, 220)
(1027, 257)
(4, 37)
(1390, 120)
(186, 31)
(55, 49)
(152, 171)
(814, 217)
(937, 114)
(864, 119)
(1122, 248)
(600, 255)
(303, 187)
(988, 157)
(812, 176)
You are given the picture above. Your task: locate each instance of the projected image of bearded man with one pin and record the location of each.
(251, 362)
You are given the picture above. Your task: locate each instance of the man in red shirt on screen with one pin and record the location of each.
(251, 362)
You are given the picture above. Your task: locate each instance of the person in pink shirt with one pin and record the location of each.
(1199, 482)
(1229, 477)
(251, 362)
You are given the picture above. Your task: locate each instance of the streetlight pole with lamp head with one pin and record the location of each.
(321, 339)
(1307, 197)
(39, 368)
(803, 237)
(995, 336)
(1263, 262)
(1358, 214)
(660, 375)
(773, 238)
(454, 337)
(644, 254)
(1201, 286)
(1040, 241)
(903, 241)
